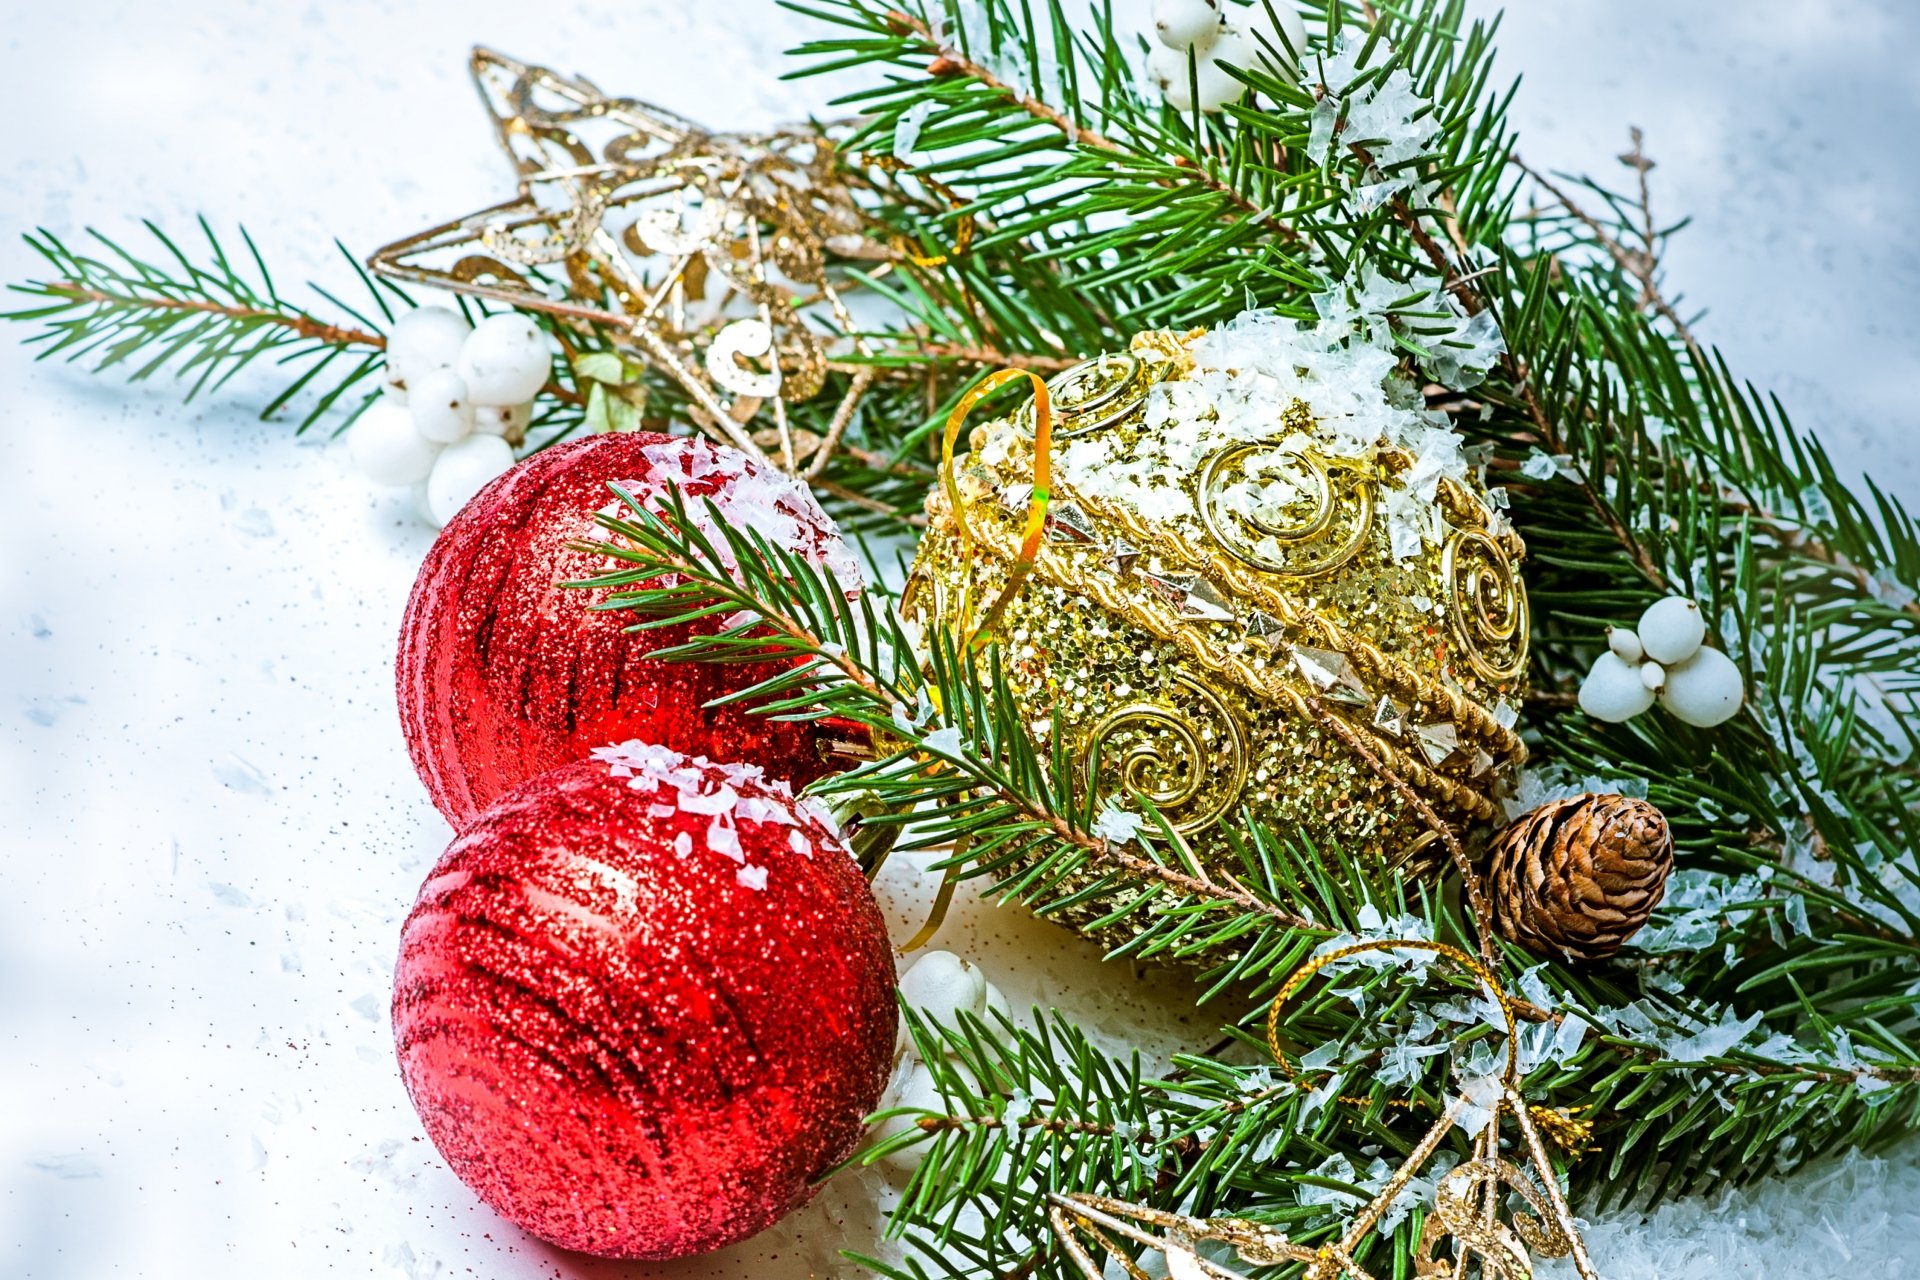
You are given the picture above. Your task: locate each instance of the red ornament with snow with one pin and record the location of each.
(504, 673)
(643, 1002)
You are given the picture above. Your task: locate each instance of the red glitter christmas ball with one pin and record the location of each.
(643, 1002)
(503, 673)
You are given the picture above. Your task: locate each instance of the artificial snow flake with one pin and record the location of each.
(1339, 1169)
(817, 810)
(1483, 1093)
(1117, 825)
(906, 130)
(1712, 1041)
(726, 794)
(1541, 465)
(724, 840)
(778, 507)
(758, 809)
(944, 741)
(719, 801)
(1375, 927)
(1545, 785)
(1319, 1097)
(1888, 588)
(909, 722)
(1403, 1061)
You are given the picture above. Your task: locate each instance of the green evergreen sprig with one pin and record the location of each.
(206, 320)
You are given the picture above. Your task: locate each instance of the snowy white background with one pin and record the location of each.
(209, 827)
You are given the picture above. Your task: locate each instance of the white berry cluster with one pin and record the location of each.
(454, 395)
(940, 987)
(1664, 658)
(1198, 36)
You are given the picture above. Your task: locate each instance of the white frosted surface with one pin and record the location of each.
(208, 825)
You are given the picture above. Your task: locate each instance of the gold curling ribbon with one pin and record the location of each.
(1509, 1077)
(942, 901)
(1036, 525)
(1565, 1128)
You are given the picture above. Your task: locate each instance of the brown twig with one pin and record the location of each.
(1403, 213)
(1045, 1124)
(842, 416)
(1797, 540)
(1641, 265)
(858, 499)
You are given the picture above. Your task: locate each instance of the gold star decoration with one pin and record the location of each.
(720, 259)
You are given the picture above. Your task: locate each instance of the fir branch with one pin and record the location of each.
(298, 323)
(206, 321)
(210, 320)
(947, 60)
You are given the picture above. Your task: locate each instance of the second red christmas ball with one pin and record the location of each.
(644, 1002)
(505, 673)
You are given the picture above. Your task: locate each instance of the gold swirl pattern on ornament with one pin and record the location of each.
(1486, 603)
(1367, 658)
(1354, 508)
(1502, 1250)
(1187, 785)
(1159, 619)
(1098, 393)
(1464, 511)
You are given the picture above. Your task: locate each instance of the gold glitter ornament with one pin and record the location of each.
(1208, 584)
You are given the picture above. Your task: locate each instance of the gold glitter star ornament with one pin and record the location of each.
(718, 258)
(1208, 549)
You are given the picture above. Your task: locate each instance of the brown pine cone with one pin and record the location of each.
(1576, 878)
